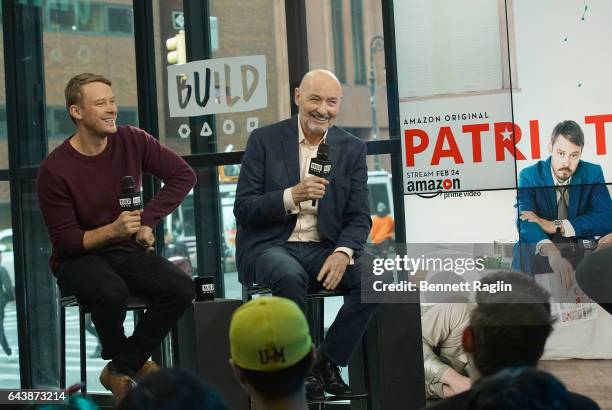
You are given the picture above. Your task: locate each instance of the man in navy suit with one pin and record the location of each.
(560, 199)
(286, 243)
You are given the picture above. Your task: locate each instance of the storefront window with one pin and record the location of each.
(9, 348)
(346, 38)
(238, 29)
(82, 36)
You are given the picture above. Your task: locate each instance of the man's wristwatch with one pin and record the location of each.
(558, 224)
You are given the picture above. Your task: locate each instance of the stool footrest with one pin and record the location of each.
(329, 399)
(312, 293)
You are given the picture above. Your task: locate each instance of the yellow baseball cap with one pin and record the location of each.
(269, 334)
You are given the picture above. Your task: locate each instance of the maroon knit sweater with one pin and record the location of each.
(78, 193)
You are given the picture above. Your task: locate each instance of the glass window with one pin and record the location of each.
(358, 47)
(179, 236)
(3, 139)
(257, 29)
(3, 126)
(60, 125)
(338, 39)
(337, 34)
(450, 49)
(233, 288)
(127, 116)
(90, 17)
(61, 16)
(75, 16)
(9, 348)
(89, 47)
(120, 20)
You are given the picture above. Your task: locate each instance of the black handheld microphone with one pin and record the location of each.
(320, 166)
(129, 200)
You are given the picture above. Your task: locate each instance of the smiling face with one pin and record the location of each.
(565, 156)
(318, 98)
(96, 112)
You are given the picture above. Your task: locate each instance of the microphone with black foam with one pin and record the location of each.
(320, 166)
(129, 199)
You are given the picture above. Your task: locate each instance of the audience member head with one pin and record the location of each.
(75, 402)
(508, 329)
(520, 388)
(271, 348)
(171, 389)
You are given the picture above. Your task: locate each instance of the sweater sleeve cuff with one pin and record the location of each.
(74, 242)
(148, 220)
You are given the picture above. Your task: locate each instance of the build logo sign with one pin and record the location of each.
(217, 86)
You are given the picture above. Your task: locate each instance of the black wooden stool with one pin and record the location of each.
(134, 303)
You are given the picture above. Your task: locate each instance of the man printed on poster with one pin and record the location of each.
(562, 201)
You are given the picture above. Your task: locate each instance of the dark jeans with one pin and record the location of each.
(103, 281)
(594, 275)
(288, 269)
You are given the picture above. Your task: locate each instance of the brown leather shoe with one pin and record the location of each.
(118, 383)
(149, 367)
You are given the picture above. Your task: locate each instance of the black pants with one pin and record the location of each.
(289, 269)
(594, 275)
(102, 283)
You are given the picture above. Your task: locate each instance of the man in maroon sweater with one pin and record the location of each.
(100, 254)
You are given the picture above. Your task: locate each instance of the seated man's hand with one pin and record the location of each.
(563, 268)
(145, 238)
(447, 391)
(310, 188)
(333, 269)
(456, 382)
(546, 225)
(126, 224)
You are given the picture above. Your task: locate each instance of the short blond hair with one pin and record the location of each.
(72, 92)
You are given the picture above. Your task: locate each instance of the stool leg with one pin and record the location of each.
(366, 372)
(83, 349)
(315, 316)
(62, 347)
(176, 357)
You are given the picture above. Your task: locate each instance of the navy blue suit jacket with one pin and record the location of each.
(269, 165)
(589, 209)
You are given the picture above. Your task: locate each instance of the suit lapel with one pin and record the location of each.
(291, 151)
(334, 155)
(334, 150)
